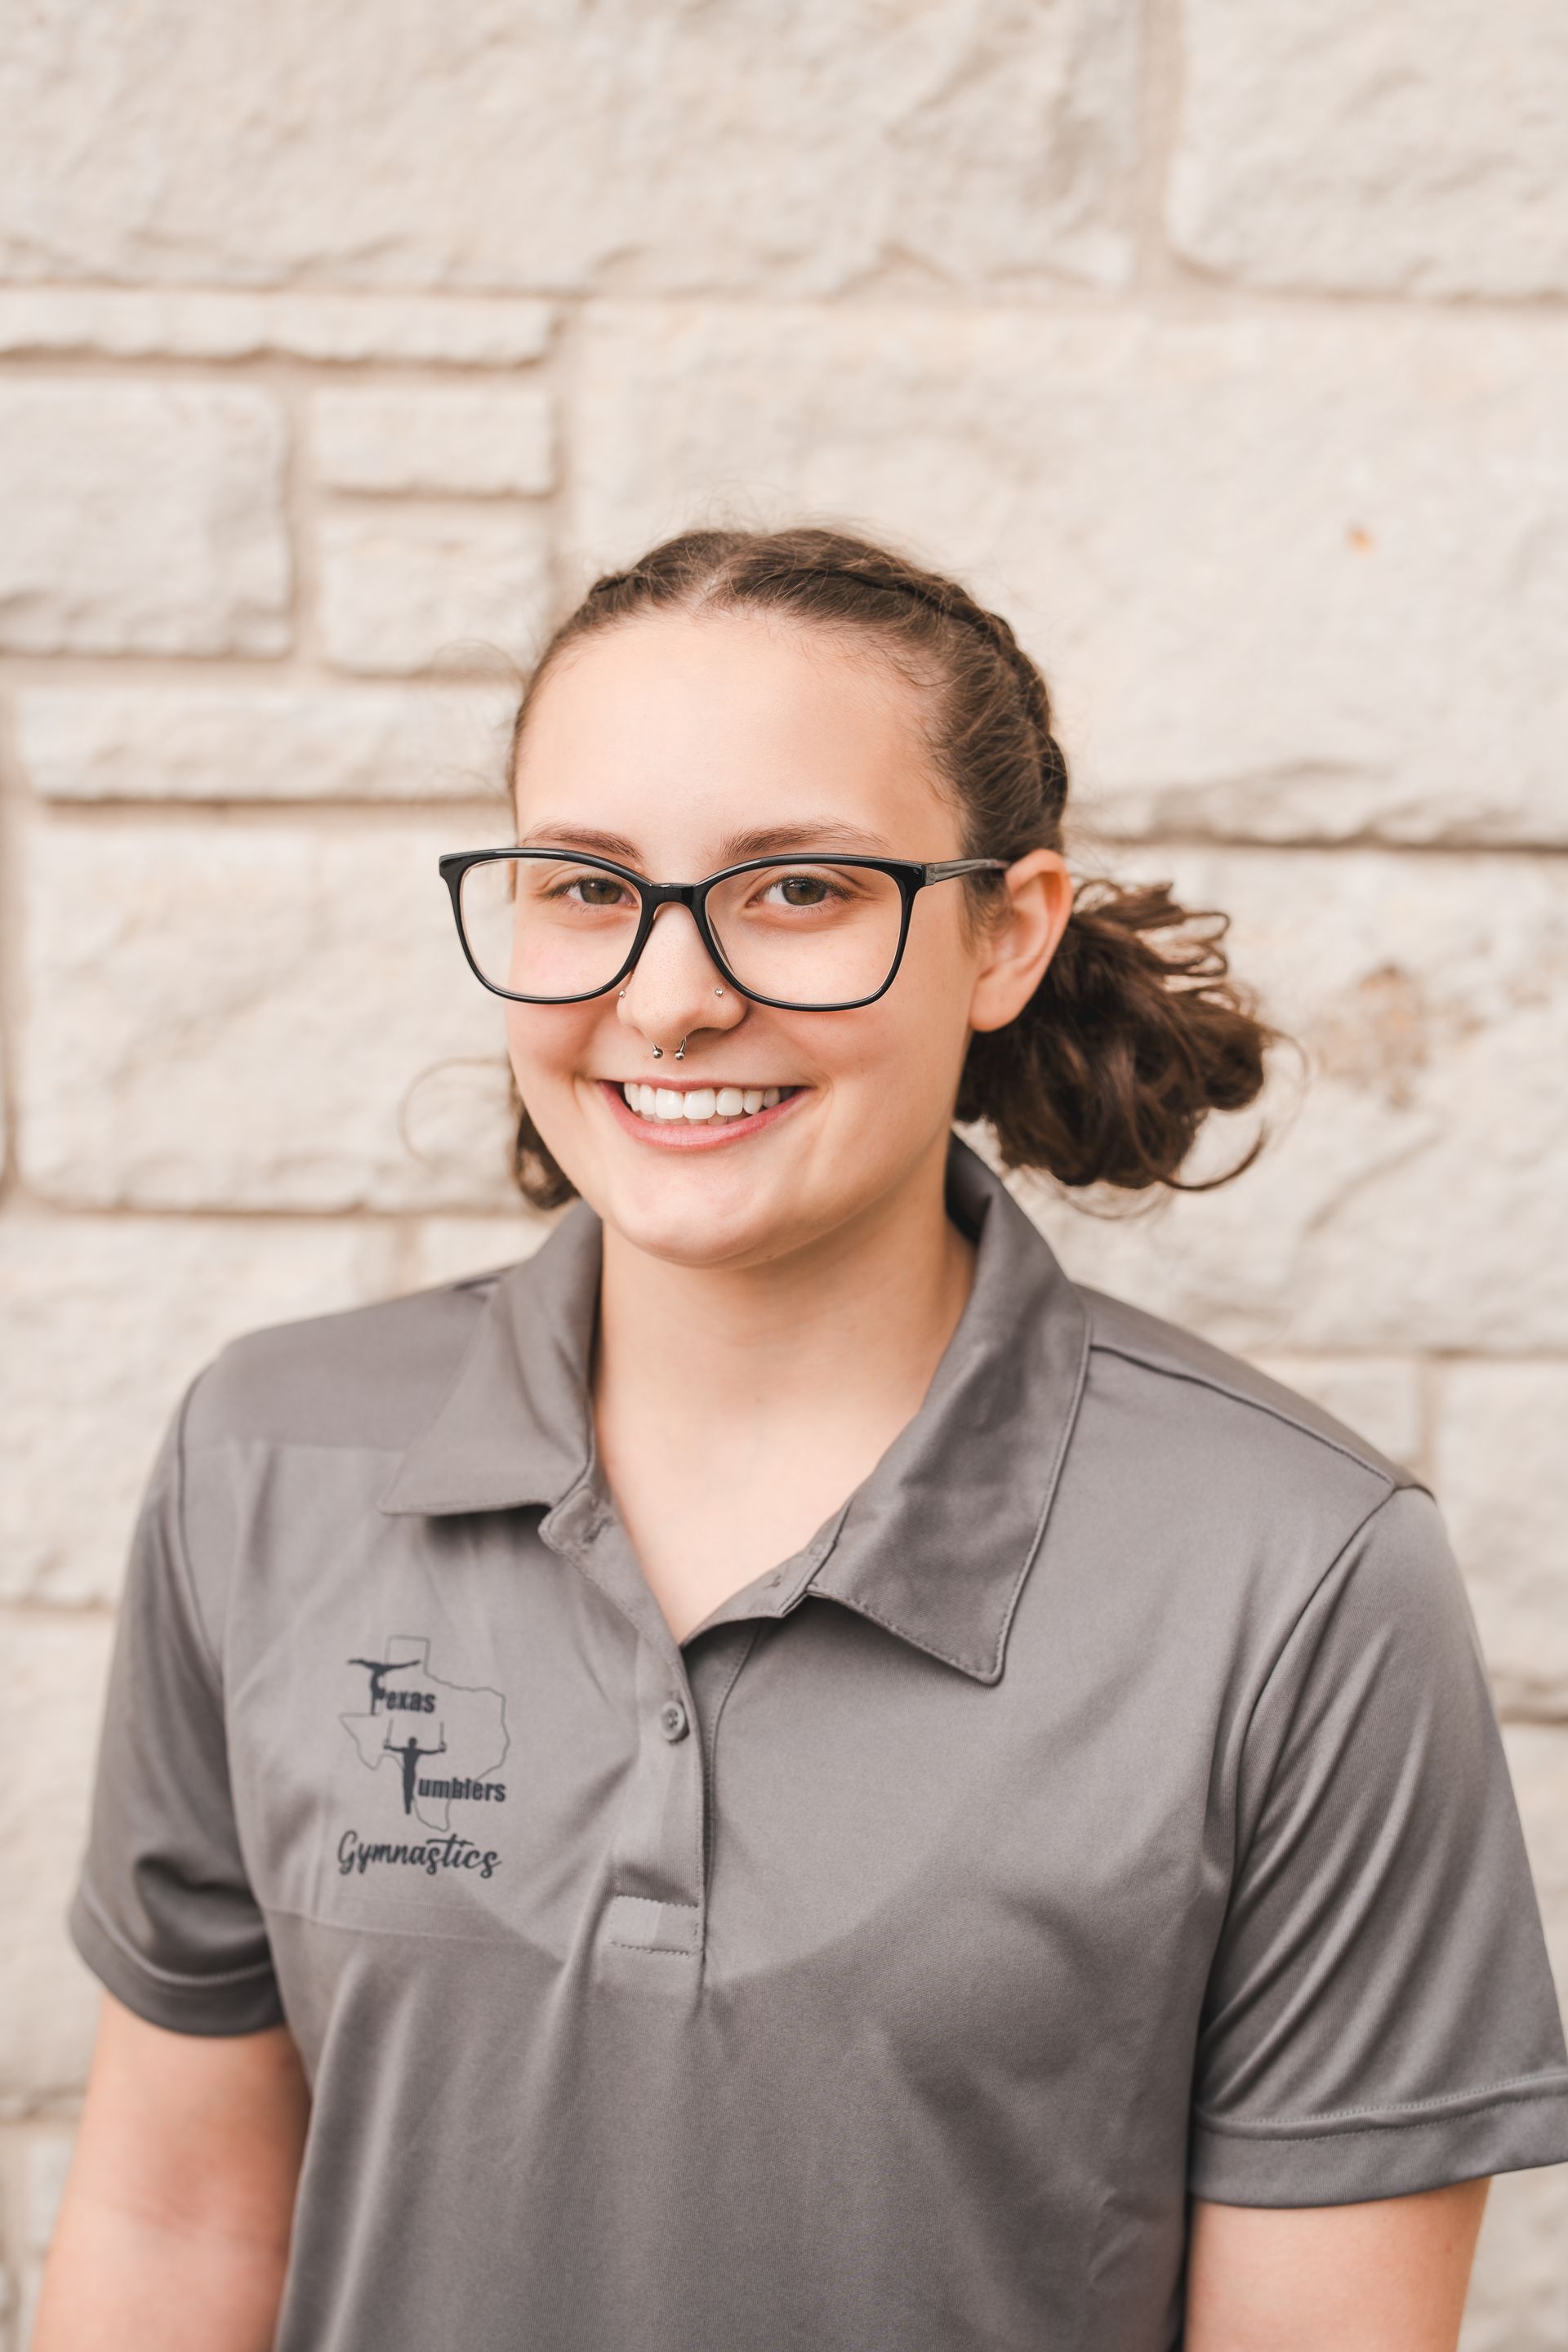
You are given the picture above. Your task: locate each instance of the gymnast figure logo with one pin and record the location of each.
(410, 1751)
(413, 1714)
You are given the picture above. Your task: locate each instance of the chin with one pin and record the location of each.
(699, 1224)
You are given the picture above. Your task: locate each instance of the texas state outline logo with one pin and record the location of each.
(436, 1747)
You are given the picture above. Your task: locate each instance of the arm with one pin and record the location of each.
(173, 2234)
(1388, 2276)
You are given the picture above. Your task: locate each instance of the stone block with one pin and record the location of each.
(1378, 1396)
(1501, 1463)
(43, 2160)
(483, 439)
(404, 587)
(1537, 1761)
(531, 149)
(1244, 548)
(247, 742)
(142, 517)
(106, 1319)
(244, 1014)
(1380, 150)
(56, 1664)
(446, 1249)
(1519, 2291)
(1409, 1196)
(1518, 2300)
(46, 2160)
(131, 322)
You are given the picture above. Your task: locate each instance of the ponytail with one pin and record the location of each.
(1134, 1035)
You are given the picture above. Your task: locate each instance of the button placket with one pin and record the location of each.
(650, 1931)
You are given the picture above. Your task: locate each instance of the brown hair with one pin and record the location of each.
(1136, 1031)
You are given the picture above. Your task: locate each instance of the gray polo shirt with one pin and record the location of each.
(1105, 1805)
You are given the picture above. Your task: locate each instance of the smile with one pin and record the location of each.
(697, 1118)
(698, 1104)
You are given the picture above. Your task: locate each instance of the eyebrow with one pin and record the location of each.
(580, 837)
(827, 832)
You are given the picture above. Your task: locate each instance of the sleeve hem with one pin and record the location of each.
(243, 2001)
(1351, 2162)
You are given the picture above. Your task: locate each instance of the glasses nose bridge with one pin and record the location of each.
(657, 896)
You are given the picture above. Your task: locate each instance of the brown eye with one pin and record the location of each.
(803, 891)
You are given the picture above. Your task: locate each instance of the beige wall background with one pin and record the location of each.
(1223, 346)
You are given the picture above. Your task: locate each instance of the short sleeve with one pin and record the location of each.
(163, 1913)
(1380, 2016)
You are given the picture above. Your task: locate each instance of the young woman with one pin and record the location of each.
(779, 1775)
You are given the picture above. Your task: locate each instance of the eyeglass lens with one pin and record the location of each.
(805, 934)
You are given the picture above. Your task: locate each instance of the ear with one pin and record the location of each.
(1022, 941)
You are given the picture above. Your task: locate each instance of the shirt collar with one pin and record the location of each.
(934, 1545)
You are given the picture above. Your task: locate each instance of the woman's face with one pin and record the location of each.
(677, 746)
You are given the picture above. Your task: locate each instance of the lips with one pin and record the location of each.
(688, 1118)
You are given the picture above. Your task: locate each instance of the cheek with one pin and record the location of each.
(547, 1044)
(908, 1048)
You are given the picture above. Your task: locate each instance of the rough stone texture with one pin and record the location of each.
(1519, 2294)
(106, 1319)
(266, 742)
(1538, 1759)
(44, 2159)
(1413, 151)
(444, 1249)
(1379, 1397)
(1298, 569)
(1410, 1197)
(140, 518)
(512, 147)
(464, 437)
(1501, 1456)
(405, 587)
(1520, 2300)
(244, 1014)
(55, 1667)
(1247, 551)
(134, 324)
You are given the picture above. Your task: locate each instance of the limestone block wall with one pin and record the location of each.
(1224, 347)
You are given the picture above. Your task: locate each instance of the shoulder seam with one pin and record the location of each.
(1404, 1476)
(187, 1571)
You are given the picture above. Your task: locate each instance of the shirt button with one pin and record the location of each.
(672, 1719)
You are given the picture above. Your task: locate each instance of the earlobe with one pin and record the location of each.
(1040, 895)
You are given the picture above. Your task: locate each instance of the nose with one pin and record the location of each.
(675, 989)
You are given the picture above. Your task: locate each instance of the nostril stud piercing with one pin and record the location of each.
(718, 992)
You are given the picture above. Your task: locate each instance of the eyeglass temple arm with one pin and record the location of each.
(952, 865)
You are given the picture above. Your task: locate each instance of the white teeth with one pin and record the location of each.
(699, 1104)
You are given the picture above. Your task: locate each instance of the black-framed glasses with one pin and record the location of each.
(814, 934)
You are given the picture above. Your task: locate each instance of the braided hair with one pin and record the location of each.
(1137, 1030)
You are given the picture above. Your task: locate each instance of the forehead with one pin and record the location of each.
(707, 719)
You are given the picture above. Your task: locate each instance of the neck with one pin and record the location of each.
(752, 1353)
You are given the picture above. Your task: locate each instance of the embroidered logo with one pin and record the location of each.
(438, 1743)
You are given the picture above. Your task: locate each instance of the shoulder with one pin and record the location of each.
(1249, 1503)
(1213, 1427)
(365, 1376)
